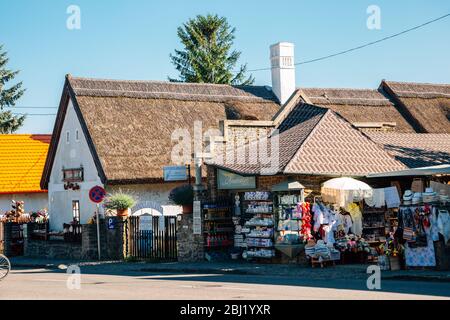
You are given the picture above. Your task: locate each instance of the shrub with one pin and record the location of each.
(182, 195)
(119, 201)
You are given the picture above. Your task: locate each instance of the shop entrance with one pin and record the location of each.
(151, 236)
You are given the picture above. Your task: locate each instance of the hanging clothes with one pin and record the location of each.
(392, 198)
(355, 212)
(443, 223)
(346, 222)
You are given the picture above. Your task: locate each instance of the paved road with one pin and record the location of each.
(101, 284)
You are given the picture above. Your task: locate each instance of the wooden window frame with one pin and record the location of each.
(79, 177)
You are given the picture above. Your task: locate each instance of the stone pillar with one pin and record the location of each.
(115, 239)
(89, 241)
(7, 239)
(190, 246)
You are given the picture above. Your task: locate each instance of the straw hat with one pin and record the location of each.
(408, 195)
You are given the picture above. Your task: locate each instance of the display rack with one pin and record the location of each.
(258, 226)
(218, 229)
(288, 218)
(374, 225)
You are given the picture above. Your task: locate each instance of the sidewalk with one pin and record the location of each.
(238, 268)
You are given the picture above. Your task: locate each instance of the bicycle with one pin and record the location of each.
(5, 266)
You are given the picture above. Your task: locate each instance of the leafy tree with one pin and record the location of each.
(207, 56)
(9, 122)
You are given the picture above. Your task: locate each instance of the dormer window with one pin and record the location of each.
(73, 175)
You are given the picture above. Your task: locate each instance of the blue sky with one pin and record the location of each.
(133, 39)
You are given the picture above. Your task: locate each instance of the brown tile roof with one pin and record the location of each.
(426, 106)
(315, 140)
(416, 149)
(359, 105)
(129, 123)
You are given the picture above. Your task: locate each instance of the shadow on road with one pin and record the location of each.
(315, 279)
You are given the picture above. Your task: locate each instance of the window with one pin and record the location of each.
(67, 136)
(73, 175)
(76, 210)
(77, 135)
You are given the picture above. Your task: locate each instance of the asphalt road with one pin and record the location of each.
(101, 284)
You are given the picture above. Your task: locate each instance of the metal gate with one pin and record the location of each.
(2, 234)
(159, 243)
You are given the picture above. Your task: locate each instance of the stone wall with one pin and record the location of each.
(111, 244)
(189, 246)
(52, 249)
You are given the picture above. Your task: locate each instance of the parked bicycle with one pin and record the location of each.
(5, 266)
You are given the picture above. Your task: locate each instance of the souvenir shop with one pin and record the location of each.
(347, 222)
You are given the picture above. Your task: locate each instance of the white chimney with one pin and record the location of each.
(283, 70)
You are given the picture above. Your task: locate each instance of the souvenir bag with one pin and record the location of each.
(421, 236)
(408, 225)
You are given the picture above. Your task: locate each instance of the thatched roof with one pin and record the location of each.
(415, 149)
(426, 106)
(359, 106)
(129, 124)
(314, 140)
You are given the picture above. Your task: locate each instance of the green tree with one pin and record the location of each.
(9, 122)
(207, 56)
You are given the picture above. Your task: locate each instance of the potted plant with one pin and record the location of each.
(120, 202)
(183, 196)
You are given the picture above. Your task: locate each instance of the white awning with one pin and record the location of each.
(443, 169)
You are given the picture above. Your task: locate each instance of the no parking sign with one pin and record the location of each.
(97, 194)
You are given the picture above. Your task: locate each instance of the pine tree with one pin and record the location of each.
(207, 55)
(9, 122)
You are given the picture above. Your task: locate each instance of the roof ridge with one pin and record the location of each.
(166, 82)
(418, 83)
(339, 88)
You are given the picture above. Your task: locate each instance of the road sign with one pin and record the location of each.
(97, 194)
(111, 224)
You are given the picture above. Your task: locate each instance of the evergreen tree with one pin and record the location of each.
(9, 122)
(207, 56)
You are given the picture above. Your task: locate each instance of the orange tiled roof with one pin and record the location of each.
(22, 159)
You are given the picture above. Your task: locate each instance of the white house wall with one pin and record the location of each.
(33, 202)
(158, 192)
(72, 154)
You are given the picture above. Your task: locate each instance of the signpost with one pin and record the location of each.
(97, 194)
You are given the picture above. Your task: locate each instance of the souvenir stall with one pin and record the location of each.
(337, 226)
(423, 218)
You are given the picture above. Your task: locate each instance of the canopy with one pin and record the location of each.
(345, 190)
(287, 186)
(443, 169)
(346, 183)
